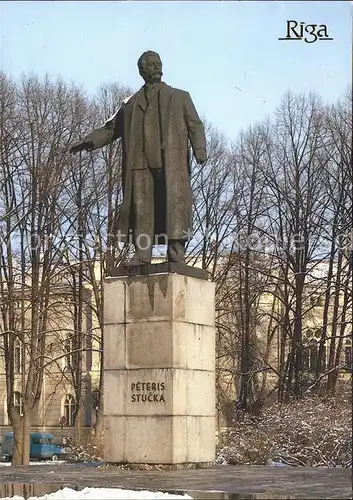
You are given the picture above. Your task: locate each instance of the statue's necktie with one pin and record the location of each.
(149, 91)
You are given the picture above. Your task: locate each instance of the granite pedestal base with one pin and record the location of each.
(159, 369)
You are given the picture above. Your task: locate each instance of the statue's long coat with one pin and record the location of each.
(179, 122)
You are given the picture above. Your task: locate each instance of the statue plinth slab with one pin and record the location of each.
(159, 369)
(162, 267)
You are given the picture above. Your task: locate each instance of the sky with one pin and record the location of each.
(225, 54)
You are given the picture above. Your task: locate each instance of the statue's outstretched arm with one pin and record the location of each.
(102, 136)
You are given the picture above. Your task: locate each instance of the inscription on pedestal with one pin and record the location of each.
(147, 392)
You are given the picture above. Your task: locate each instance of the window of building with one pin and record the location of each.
(311, 352)
(18, 402)
(324, 359)
(69, 409)
(6, 417)
(317, 300)
(68, 348)
(348, 361)
(17, 356)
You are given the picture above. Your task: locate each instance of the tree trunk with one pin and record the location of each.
(78, 424)
(333, 376)
(99, 431)
(21, 438)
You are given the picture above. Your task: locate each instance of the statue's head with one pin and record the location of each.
(150, 67)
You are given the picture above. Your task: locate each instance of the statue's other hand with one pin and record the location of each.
(200, 156)
(81, 146)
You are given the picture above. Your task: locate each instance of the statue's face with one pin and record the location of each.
(152, 69)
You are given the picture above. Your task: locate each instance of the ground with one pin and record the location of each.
(219, 482)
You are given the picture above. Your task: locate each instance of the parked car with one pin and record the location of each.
(42, 446)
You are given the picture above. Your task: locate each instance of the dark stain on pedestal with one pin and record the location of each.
(149, 274)
(150, 285)
(151, 282)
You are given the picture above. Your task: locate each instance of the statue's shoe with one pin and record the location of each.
(135, 261)
(176, 253)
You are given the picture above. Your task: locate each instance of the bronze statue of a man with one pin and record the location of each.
(155, 125)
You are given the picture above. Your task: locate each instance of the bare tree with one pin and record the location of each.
(34, 153)
(338, 148)
(94, 191)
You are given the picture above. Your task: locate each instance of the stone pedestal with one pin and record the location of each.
(159, 369)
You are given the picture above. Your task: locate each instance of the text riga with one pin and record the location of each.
(309, 33)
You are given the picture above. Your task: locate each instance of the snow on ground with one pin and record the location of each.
(38, 462)
(104, 494)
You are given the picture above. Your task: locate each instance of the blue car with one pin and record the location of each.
(42, 446)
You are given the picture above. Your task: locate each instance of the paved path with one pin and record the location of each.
(230, 482)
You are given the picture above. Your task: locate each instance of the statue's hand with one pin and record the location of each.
(81, 146)
(200, 156)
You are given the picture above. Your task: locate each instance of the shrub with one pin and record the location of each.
(88, 450)
(312, 431)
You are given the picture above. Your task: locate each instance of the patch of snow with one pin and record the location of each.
(105, 494)
(38, 462)
(277, 464)
(16, 497)
(127, 99)
(116, 112)
(112, 117)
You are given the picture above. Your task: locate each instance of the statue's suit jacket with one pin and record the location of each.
(179, 123)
